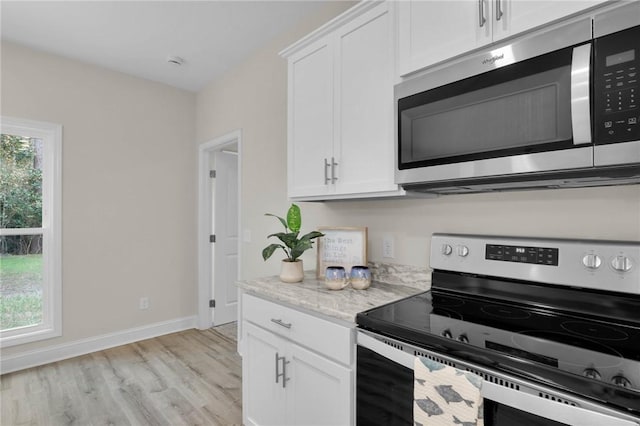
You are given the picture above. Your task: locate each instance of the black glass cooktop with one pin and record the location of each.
(583, 342)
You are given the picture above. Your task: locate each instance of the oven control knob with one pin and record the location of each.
(447, 334)
(591, 373)
(621, 263)
(463, 251)
(592, 261)
(446, 249)
(621, 381)
(463, 338)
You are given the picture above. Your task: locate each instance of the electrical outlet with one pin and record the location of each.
(144, 303)
(387, 247)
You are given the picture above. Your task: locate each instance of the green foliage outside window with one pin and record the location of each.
(20, 192)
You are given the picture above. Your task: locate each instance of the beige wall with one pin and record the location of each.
(129, 217)
(253, 98)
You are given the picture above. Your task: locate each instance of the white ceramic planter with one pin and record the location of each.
(291, 272)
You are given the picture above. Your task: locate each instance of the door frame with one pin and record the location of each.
(204, 218)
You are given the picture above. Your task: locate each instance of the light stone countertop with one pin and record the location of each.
(311, 294)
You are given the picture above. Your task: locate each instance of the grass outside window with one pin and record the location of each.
(20, 290)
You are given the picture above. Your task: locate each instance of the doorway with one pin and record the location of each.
(219, 229)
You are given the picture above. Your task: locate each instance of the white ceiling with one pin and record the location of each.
(137, 37)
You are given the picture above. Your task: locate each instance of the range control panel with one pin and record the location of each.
(604, 265)
(535, 255)
(617, 92)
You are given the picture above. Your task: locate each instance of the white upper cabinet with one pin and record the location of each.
(364, 107)
(522, 15)
(341, 140)
(310, 119)
(433, 31)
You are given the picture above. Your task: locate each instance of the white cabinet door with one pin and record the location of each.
(341, 141)
(310, 119)
(286, 383)
(432, 31)
(522, 15)
(364, 107)
(320, 390)
(263, 398)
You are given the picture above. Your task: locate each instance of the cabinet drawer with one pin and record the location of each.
(325, 337)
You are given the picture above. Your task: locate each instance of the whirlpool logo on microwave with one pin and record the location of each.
(492, 60)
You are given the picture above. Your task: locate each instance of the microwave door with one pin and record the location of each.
(529, 117)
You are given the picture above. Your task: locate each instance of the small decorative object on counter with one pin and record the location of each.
(335, 278)
(341, 246)
(291, 269)
(360, 277)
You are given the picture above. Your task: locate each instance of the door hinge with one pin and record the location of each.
(212, 303)
(212, 174)
(212, 238)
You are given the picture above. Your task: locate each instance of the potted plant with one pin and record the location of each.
(291, 268)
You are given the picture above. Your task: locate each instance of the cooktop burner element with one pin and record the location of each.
(594, 330)
(505, 312)
(571, 340)
(566, 323)
(447, 313)
(442, 301)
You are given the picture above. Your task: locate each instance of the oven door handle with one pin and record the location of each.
(546, 408)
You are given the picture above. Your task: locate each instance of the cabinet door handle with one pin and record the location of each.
(481, 18)
(498, 10)
(278, 373)
(333, 170)
(326, 174)
(284, 372)
(281, 323)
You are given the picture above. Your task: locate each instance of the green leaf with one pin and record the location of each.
(294, 218)
(284, 222)
(300, 248)
(268, 251)
(311, 235)
(290, 239)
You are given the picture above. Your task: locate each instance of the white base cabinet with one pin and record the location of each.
(290, 381)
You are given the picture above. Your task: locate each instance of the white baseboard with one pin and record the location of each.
(92, 344)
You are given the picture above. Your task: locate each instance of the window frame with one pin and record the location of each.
(51, 230)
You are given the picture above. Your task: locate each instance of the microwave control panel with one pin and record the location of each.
(617, 92)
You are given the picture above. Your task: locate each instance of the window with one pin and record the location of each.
(30, 231)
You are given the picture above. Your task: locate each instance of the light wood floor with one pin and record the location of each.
(187, 378)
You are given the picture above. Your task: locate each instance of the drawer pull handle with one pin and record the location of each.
(281, 323)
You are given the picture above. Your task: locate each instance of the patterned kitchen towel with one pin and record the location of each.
(445, 396)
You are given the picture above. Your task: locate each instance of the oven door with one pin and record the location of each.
(530, 115)
(384, 392)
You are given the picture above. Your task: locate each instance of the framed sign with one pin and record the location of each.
(341, 247)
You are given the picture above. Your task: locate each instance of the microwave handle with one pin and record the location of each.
(580, 98)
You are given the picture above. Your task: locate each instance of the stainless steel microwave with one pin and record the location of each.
(557, 108)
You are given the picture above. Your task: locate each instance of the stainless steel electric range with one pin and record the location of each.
(553, 327)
